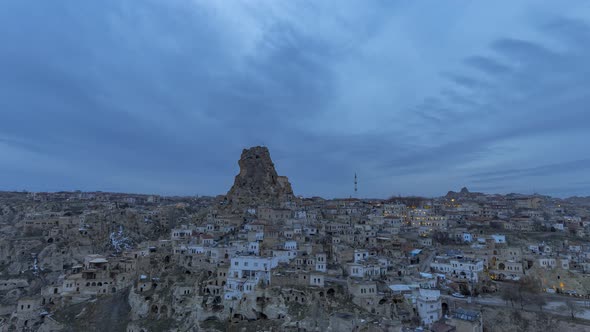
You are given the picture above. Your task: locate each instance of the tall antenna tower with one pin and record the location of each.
(355, 184)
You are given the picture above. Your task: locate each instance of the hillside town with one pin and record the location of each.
(261, 258)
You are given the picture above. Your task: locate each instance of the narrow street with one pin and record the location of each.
(425, 263)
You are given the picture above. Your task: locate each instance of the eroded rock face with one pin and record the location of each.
(463, 193)
(258, 181)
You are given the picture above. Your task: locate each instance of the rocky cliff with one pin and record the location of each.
(258, 182)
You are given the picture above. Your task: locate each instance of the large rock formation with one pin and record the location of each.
(463, 194)
(258, 182)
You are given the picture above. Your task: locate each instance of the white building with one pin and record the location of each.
(246, 272)
(429, 306)
(254, 248)
(498, 238)
(360, 254)
(564, 263)
(461, 268)
(196, 250)
(290, 245)
(181, 233)
(356, 270)
(558, 227)
(316, 279)
(320, 263)
(547, 263)
(467, 237)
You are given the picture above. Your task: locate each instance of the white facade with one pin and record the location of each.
(284, 256)
(254, 248)
(467, 269)
(547, 263)
(300, 215)
(459, 268)
(320, 263)
(310, 230)
(316, 280)
(564, 263)
(356, 270)
(195, 250)
(245, 272)
(181, 234)
(360, 254)
(467, 237)
(429, 306)
(290, 245)
(558, 227)
(499, 238)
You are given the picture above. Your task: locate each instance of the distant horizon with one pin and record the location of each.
(303, 196)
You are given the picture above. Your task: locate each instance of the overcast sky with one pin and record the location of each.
(161, 96)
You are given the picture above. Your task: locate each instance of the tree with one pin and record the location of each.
(573, 308)
(509, 293)
(442, 237)
(539, 300)
(530, 284)
(528, 288)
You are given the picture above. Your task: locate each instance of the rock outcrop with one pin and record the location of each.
(258, 182)
(464, 193)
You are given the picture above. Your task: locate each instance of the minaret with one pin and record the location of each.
(355, 185)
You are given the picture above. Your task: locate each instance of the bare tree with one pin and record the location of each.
(539, 299)
(509, 293)
(527, 290)
(442, 238)
(573, 308)
(530, 284)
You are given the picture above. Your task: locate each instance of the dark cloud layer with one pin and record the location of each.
(161, 96)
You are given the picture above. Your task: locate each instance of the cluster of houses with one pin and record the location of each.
(410, 260)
